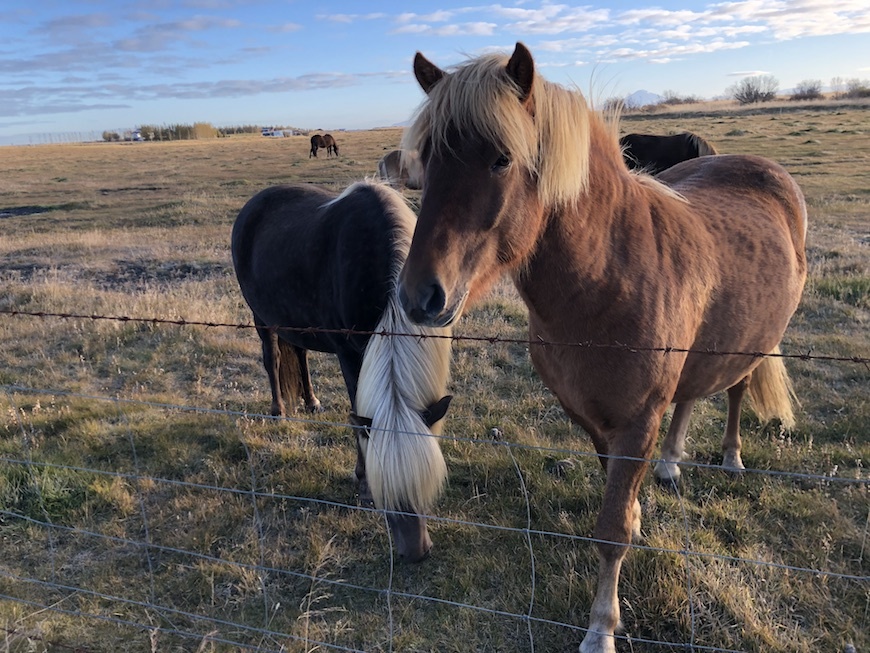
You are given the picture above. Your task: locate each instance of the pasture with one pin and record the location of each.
(148, 504)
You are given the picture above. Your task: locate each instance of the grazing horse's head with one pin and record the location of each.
(491, 171)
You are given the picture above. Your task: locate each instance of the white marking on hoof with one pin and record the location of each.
(667, 472)
(731, 462)
(597, 642)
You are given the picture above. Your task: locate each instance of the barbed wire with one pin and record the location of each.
(254, 493)
(491, 339)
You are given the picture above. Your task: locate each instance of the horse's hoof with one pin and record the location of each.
(667, 475)
(673, 483)
(314, 407)
(733, 464)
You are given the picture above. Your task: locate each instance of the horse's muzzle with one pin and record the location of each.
(428, 305)
(410, 535)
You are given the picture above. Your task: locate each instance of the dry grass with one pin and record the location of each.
(142, 229)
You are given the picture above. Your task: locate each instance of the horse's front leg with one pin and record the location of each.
(618, 522)
(365, 494)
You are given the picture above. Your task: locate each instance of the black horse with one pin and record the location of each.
(323, 141)
(311, 263)
(656, 153)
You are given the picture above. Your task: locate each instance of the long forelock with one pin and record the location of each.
(401, 376)
(479, 99)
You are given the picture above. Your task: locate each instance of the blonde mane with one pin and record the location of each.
(479, 98)
(401, 377)
(704, 147)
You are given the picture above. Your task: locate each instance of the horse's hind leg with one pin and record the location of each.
(667, 471)
(312, 403)
(731, 442)
(272, 362)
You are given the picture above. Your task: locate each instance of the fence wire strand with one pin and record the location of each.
(257, 493)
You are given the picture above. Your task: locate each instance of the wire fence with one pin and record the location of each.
(61, 570)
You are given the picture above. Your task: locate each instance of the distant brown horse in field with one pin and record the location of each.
(653, 153)
(323, 141)
(622, 274)
(401, 171)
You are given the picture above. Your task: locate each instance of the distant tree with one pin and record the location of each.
(838, 86)
(759, 88)
(809, 89)
(672, 97)
(857, 88)
(111, 136)
(614, 105)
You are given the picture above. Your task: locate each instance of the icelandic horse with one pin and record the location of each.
(653, 154)
(324, 141)
(522, 177)
(319, 271)
(401, 172)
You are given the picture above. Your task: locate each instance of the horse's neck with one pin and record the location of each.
(587, 247)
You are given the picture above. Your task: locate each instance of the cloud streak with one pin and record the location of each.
(75, 61)
(37, 100)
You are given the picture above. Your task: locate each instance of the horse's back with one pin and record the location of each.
(654, 153)
(743, 188)
(306, 256)
(753, 215)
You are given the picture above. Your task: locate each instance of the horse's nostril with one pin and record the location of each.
(428, 303)
(436, 301)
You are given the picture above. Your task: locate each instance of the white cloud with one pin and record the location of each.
(286, 28)
(350, 18)
(660, 17)
(435, 17)
(456, 29)
(748, 73)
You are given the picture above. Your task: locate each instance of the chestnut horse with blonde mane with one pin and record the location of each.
(522, 177)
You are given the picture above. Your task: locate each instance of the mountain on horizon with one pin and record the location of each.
(642, 98)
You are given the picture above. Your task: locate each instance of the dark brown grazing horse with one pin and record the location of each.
(305, 258)
(323, 141)
(401, 170)
(653, 154)
(521, 177)
(316, 143)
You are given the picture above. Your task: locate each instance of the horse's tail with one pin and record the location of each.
(771, 393)
(289, 376)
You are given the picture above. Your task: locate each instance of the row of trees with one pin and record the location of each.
(181, 132)
(764, 88)
(177, 132)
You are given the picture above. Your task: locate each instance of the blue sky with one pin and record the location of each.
(81, 66)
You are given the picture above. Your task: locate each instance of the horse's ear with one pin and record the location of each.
(426, 72)
(436, 412)
(521, 69)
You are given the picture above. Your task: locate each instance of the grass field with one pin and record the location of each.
(131, 522)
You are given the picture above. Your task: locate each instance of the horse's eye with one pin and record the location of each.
(501, 163)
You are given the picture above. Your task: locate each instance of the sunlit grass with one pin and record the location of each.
(142, 230)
